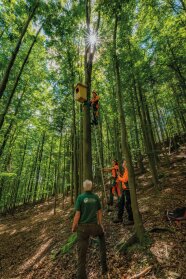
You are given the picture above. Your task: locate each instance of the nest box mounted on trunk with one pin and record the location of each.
(81, 92)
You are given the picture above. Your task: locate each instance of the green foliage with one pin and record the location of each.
(151, 53)
(71, 241)
(8, 175)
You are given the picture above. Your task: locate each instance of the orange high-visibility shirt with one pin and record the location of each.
(94, 100)
(124, 179)
(115, 169)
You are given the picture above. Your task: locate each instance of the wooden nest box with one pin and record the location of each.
(81, 92)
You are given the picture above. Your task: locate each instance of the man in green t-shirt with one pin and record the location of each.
(88, 222)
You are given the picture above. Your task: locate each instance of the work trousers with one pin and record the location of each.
(83, 233)
(114, 188)
(95, 116)
(125, 202)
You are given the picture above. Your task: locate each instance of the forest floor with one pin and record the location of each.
(29, 239)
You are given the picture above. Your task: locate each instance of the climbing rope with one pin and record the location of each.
(99, 159)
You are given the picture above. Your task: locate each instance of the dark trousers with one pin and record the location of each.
(95, 116)
(125, 202)
(83, 233)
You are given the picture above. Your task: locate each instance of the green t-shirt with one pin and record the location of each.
(88, 204)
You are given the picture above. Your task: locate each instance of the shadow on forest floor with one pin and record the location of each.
(28, 238)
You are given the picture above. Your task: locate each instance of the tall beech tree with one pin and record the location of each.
(16, 50)
(124, 140)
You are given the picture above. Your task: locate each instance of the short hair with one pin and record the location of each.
(87, 185)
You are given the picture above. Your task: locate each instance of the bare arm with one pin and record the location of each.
(75, 221)
(107, 169)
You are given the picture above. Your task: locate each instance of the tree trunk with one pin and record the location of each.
(89, 55)
(140, 232)
(15, 52)
(75, 160)
(138, 149)
(19, 176)
(8, 130)
(147, 142)
(49, 170)
(39, 166)
(17, 81)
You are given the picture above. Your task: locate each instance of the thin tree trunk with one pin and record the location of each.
(17, 81)
(16, 188)
(39, 167)
(15, 52)
(147, 142)
(64, 169)
(72, 171)
(49, 169)
(55, 189)
(8, 130)
(139, 155)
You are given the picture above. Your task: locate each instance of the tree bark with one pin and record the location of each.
(15, 52)
(19, 176)
(39, 166)
(8, 130)
(89, 55)
(140, 232)
(17, 81)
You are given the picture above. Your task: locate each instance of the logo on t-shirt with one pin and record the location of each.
(89, 200)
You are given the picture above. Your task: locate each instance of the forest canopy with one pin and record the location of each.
(132, 53)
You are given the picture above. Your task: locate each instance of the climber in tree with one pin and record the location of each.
(94, 102)
(115, 182)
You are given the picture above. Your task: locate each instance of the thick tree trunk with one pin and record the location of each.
(80, 152)
(75, 160)
(15, 52)
(89, 55)
(140, 232)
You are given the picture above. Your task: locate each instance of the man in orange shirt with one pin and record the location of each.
(125, 200)
(115, 182)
